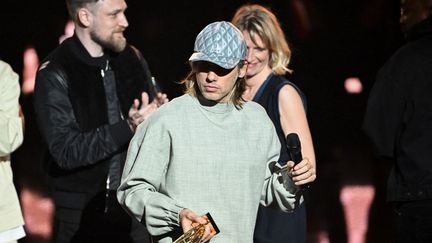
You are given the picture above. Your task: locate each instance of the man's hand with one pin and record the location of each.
(188, 220)
(137, 113)
(160, 99)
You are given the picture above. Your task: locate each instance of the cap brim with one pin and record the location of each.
(199, 56)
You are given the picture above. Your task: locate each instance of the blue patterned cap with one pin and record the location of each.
(220, 43)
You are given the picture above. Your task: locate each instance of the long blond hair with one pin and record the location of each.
(259, 21)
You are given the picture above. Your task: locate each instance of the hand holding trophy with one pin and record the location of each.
(200, 232)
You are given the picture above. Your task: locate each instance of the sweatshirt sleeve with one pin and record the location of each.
(274, 191)
(147, 159)
(11, 125)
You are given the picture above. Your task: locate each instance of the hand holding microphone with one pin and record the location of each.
(294, 150)
(302, 172)
(298, 171)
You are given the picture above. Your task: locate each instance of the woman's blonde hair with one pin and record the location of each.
(259, 21)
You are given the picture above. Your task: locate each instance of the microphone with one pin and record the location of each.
(294, 147)
(294, 150)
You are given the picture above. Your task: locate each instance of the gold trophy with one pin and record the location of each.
(195, 234)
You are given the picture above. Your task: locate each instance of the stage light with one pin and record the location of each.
(353, 85)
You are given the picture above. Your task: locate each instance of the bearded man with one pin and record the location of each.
(91, 93)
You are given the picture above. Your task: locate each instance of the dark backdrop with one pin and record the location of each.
(339, 39)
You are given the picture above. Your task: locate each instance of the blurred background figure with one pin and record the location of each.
(11, 137)
(398, 121)
(267, 63)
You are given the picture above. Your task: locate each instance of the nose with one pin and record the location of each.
(211, 77)
(123, 21)
(250, 55)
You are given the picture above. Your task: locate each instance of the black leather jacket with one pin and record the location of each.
(71, 111)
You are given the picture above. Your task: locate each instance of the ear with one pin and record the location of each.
(84, 17)
(242, 70)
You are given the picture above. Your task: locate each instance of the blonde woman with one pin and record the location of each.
(267, 59)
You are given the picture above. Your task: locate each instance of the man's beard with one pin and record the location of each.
(115, 45)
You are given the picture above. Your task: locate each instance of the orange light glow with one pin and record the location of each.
(31, 63)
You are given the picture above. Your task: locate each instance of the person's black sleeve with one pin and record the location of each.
(384, 111)
(69, 146)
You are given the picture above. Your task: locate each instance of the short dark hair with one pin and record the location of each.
(74, 5)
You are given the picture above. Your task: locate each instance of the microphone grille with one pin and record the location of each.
(293, 140)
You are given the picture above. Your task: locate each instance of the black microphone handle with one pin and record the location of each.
(294, 147)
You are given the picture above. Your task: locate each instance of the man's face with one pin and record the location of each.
(216, 83)
(413, 12)
(109, 22)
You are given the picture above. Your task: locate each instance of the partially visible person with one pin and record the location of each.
(11, 137)
(267, 64)
(207, 151)
(398, 120)
(91, 93)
